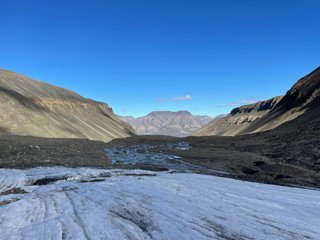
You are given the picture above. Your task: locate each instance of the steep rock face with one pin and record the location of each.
(34, 108)
(180, 124)
(305, 92)
(239, 119)
(259, 107)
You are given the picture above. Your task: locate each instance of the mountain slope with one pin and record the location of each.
(301, 97)
(35, 108)
(268, 114)
(180, 124)
(239, 119)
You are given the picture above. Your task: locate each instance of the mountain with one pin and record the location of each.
(34, 108)
(304, 95)
(239, 119)
(180, 124)
(267, 115)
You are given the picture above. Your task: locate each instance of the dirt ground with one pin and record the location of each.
(27, 152)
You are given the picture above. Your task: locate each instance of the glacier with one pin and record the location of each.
(86, 203)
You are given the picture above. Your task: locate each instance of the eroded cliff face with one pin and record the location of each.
(239, 119)
(34, 108)
(259, 107)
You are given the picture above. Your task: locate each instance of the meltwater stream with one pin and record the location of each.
(145, 154)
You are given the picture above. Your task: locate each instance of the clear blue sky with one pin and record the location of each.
(140, 56)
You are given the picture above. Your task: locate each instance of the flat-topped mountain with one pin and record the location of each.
(33, 108)
(238, 120)
(268, 114)
(180, 124)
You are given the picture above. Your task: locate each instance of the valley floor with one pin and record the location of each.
(87, 203)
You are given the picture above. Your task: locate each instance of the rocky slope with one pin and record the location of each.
(239, 119)
(35, 108)
(180, 124)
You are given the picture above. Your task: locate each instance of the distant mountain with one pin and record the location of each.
(238, 120)
(267, 115)
(180, 124)
(34, 108)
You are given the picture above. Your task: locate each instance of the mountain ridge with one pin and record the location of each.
(274, 112)
(239, 119)
(36, 108)
(181, 123)
(299, 98)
